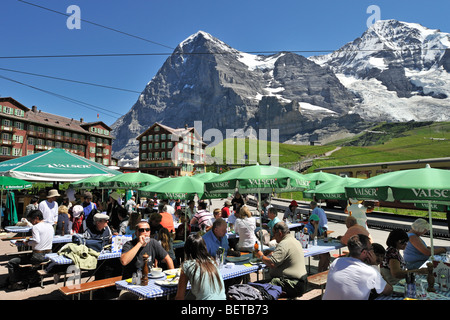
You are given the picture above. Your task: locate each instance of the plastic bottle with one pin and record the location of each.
(443, 283)
(410, 286)
(255, 249)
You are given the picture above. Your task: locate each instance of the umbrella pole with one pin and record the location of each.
(431, 230)
(260, 220)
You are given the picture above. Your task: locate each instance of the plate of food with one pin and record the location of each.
(255, 261)
(168, 282)
(243, 257)
(175, 272)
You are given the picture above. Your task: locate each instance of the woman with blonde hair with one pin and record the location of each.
(417, 252)
(62, 225)
(245, 226)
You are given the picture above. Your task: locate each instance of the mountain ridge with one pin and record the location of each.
(317, 97)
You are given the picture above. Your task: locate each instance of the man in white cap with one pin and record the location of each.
(49, 207)
(101, 230)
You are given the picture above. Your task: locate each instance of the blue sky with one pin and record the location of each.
(247, 25)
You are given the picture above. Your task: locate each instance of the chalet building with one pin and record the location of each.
(165, 151)
(27, 131)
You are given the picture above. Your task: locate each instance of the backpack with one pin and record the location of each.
(94, 244)
(254, 291)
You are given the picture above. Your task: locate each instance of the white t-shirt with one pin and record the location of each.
(352, 279)
(49, 211)
(42, 236)
(246, 230)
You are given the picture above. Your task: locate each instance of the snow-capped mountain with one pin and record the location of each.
(207, 80)
(396, 71)
(399, 70)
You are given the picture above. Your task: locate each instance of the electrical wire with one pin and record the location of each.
(75, 101)
(98, 25)
(69, 80)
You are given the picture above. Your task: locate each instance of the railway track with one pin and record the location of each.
(377, 220)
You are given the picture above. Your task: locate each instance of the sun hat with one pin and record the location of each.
(228, 203)
(101, 216)
(114, 195)
(294, 203)
(77, 210)
(53, 193)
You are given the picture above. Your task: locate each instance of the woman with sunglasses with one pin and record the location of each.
(393, 267)
(134, 250)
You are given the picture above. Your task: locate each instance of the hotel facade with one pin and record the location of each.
(166, 151)
(27, 131)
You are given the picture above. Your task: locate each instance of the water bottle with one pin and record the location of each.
(443, 283)
(410, 286)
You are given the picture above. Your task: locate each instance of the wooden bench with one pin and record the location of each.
(319, 279)
(89, 287)
(41, 271)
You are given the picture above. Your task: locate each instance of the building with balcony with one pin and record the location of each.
(165, 151)
(27, 131)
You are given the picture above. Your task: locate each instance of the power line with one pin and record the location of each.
(69, 80)
(98, 25)
(208, 53)
(78, 102)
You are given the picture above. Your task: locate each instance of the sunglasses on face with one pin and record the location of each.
(144, 229)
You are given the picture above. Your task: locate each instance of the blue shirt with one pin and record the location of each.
(323, 221)
(311, 229)
(213, 243)
(414, 258)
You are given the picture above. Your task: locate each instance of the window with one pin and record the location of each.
(144, 138)
(170, 145)
(19, 125)
(6, 136)
(58, 145)
(17, 152)
(144, 146)
(156, 145)
(31, 141)
(144, 156)
(156, 129)
(163, 145)
(6, 122)
(156, 137)
(150, 137)
(163, 155)
(6, 151)
(163, 136)
(150, 146)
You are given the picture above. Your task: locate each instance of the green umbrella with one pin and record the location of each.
(11, 205)
(54, 165)
(258, 179)
(425, 185)
(132, 180)
(332, 189)
(322, 176)
(10, 183)
(205, 176)
(183, 188)
(88, 183)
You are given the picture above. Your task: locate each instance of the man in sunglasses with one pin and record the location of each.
(352, 278)
(133, 251)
